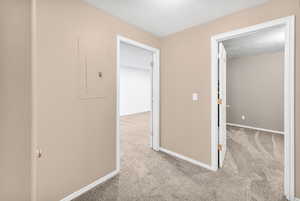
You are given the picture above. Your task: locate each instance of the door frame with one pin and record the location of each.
(289, 87)
(155, 96)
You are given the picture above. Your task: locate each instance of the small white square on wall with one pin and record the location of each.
(195, 97)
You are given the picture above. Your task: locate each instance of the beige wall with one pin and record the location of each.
(256, 79)
(185, 125)
(15, 100)
(76, 131)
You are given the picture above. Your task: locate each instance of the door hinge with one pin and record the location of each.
(220, 101)
(220, 147)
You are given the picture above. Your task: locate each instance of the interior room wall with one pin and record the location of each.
(75, 109)
(15, 140)
(135, 90)
(186, 68)
(255, 90)
(135, 80)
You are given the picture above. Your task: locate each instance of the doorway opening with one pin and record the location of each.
(137, 97)
(221, 128)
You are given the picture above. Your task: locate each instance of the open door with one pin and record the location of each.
(222, 104)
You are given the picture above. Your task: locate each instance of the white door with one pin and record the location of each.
(222, 104)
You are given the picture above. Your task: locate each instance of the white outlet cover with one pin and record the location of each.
(195, 97)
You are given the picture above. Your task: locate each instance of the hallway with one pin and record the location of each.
(253, 170)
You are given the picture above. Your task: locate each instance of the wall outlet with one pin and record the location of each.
(243, 117)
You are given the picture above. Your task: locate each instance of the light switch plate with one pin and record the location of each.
(195, 97)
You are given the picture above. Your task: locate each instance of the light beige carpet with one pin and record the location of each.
(253, 170)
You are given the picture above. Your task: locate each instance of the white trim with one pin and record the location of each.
(118, 149)
(289, 82)
(156, 100)
(214, 99)
(255, 128)
(187, 159)
(33, 128)
(90, 186)
(296, 199)
(289, 107)
(136, 44)
(155, 95)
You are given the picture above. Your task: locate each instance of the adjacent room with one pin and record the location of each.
(255, 110)
(135, 105)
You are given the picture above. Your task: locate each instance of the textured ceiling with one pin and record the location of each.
(267, 40)
(163, 17)
(135, 57)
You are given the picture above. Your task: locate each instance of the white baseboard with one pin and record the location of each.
(90, 186)
(187, 159)
(254, 128)
(296, 199)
